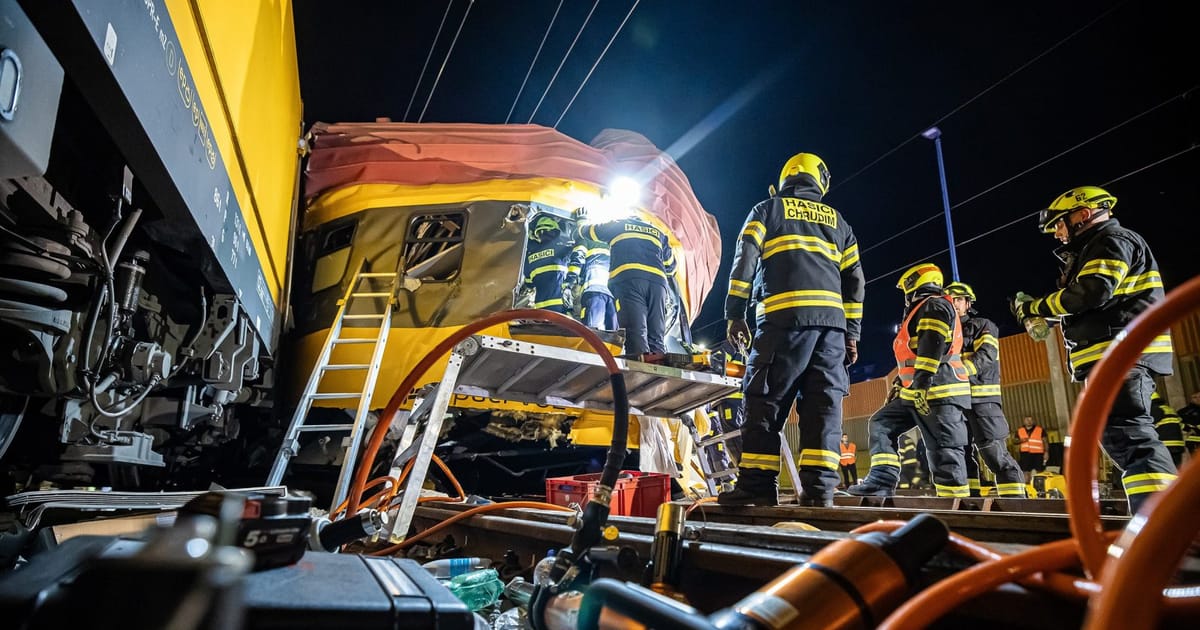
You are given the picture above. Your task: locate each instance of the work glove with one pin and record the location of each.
(1019, 305)
(893, 391)
(851, 352)
(920, 402)
(738, 334)
(571, 279)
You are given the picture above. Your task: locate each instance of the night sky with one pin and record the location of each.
(735, 88)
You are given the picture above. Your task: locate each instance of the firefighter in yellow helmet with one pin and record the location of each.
(545, 267)
(987, 428)
(1109, 277)
(933, 390)
(809, 319)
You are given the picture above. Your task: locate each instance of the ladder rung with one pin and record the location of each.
(346, 366)
(340, 395)
(325, 427)
(371, 316)
(724, 437)
(355, 340)
(728, 472)
(372, 294)
(377, 275)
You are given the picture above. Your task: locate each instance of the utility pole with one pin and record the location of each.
(935, 134)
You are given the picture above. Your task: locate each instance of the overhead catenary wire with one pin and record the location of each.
(593, 68)
(425, 66)
(989, 88)
(1032, 214)
(938, 215)
(533, 63)
(563, 61)
(445, 59)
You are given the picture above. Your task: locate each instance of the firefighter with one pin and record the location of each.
(849, 461)
(546, 265)
(1169, 427)
(910, 464)
(1110, 276)
(730, 413)
(1031, 443)
(641, 260)
(587, 273)
(1190, 414)
(808, 329)
(934, 390)
(987, 428)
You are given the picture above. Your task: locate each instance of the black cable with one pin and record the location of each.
(1032, 214)
(533, 63)
(425, 66)
(977, 96)
(593, 69)
(563, 61)
(445, 60)
(1044, 162)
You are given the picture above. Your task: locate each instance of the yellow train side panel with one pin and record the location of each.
(243, 58)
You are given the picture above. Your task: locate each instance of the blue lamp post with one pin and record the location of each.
(935, 134)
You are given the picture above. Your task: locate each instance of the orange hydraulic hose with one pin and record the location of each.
(929, 605)
(410, 381)
(411, 540)
(1091, 413)
(1061, 584)
(1146, 557)
(698, 503)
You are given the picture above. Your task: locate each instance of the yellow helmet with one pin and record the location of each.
(544, 226)
(960, 289)
(918, 276)
(1092, 197)
(808, 164)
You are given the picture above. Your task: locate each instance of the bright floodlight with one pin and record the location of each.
(932, 133)
(625, 191)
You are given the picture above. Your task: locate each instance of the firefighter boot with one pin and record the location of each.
(874, 485)
(754, 487)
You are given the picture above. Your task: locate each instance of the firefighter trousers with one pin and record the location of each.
(945, 432)
(1130, 440)
(598, 310)
(807, 365)
(642, 312)
(987, 432)
(731, 415)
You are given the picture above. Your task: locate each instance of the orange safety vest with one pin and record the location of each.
(906, 357)
(849, 454)
(1031, 443)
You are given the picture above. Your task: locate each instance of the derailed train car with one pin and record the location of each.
(148, 173)
(448, 207)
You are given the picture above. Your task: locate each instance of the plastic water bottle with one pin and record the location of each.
(1038, 328)
(477, 589)
(541, 571)
(451, 567)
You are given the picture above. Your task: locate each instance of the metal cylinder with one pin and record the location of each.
(667, 549)
(129, 281)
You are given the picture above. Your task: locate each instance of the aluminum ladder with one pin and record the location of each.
(365, 303)
(718, 480)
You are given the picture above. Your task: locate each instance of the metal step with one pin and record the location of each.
(336, 396)
(384, 274)
(354, 340)
(372, 294)
(339, 367)
(375, 316)
(724, 437)
(325, 427)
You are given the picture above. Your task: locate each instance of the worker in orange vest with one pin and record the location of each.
(1033, 448)
(849, 461)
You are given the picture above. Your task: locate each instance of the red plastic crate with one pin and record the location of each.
(636, 493)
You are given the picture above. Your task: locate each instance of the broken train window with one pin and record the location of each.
(433, 247)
